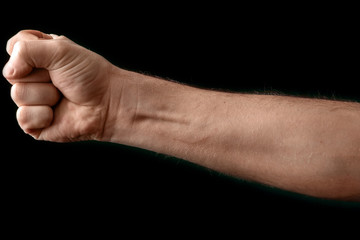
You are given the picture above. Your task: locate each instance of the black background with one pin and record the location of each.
(309, 51)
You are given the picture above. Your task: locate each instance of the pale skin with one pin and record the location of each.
(67, 93)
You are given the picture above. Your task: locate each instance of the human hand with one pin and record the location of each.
(61, 88)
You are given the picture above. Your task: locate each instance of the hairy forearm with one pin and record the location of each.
(304, 145)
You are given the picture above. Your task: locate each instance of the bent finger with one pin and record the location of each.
(27, 55)
(27, 94)
(38, 75)
(34, 117)
(25, 35)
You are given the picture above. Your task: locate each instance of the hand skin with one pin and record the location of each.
(67, 93)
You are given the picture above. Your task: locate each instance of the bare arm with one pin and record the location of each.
(307, 146)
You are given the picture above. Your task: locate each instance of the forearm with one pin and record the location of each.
(296, 144)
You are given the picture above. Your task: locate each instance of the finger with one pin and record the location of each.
(34, 117)
(27, 94)
(38, 75)
(27, 55)
(25, 35)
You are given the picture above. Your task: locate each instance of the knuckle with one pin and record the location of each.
(21, 36)
(13, 92)
(18, 92)
(22, 116)
(23, 32)
(29, 34)
(34, 117)
(19, 47)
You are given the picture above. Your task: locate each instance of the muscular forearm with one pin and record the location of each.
(304, 145)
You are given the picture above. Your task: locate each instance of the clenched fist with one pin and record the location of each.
(61, 88)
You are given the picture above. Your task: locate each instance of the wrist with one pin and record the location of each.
(120, 105)
(142, 108)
